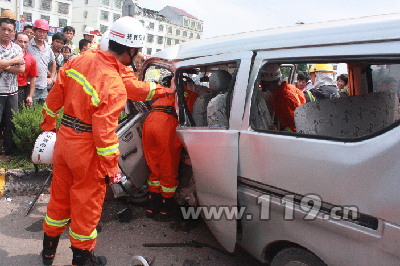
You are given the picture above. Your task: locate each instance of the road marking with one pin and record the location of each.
(2, 181)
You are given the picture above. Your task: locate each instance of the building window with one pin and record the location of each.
(105, 2)
(63, 8)
(45, 17)
(169, 41)
(104, 15)
(178, 32)
(199, 26)
(193, 25)
(198, 36)
(185, 34)
(186, 22)
(176, 41)
(28, 17)
(85, 14)
(45, 5)
(191, 35)
(158, 50)
(149, 51)
(103, 28)
(150, 37)
(62, 22)
(29, 3)
(170, 30)
(142, 21)
(116, 16)
(118, 3)
(160, 39)
(160, 27)
(151, 26)
(86, 2)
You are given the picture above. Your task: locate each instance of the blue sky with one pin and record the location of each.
(232, 16)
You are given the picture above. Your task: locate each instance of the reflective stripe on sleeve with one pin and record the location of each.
(153, 183)
(57, 223)
(152, 91)
(165, 189)
(48, 111)
(87, 87)
(107, 150)
(93, 235)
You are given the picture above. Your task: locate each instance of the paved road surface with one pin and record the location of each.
(21, 238)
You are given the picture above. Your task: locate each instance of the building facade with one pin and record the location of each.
(99, 14)
(57, 12)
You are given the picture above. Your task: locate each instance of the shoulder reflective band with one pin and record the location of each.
(93, 235)
(78, 77)
(153, 183)
(107, 150)
(165, 189)
(48, 111)
(152, 91)
(57, 223)
(310, 95)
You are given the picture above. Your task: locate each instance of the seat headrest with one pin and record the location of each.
(220, 80)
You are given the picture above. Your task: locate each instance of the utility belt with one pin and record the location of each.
(165, 109)
(76, 124)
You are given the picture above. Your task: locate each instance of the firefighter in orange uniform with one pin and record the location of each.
(162, 149)
(93, 90)
(285, 97)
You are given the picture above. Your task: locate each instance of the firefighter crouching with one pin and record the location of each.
(93, 89)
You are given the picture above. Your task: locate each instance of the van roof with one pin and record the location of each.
(366, 29)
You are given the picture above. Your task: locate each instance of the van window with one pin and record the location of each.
(205, 94)
(340, 100)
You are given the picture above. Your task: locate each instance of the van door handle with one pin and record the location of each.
(126, 154)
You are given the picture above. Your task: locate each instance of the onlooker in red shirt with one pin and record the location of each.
(25, 92)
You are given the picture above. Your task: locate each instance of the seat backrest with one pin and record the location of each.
(347, 117)
(216, 108)
(200, 108)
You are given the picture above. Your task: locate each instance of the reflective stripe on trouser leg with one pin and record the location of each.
(154, 186)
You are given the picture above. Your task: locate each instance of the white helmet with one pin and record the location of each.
(104, 41)
(128, 31)
(89, 31)
(271, 72)
(44, 148)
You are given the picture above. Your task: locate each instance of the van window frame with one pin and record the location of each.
(182, 106)
(370, 59)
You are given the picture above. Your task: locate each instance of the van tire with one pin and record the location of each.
(296, 257)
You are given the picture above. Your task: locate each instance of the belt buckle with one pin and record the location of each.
(74, 126)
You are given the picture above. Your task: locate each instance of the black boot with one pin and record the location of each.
(168, 209)
(84, 257)
(153, 204)
(49, 249)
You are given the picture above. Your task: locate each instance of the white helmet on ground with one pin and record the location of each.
(104, 41)
(89, 31)
(129, 32)
(44, 148)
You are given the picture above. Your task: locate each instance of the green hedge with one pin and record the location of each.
(27, 128)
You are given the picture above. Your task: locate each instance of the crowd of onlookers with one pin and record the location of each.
(29, 64)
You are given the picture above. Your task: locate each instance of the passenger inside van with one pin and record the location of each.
(285, 97)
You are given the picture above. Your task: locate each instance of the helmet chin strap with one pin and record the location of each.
(133, 56)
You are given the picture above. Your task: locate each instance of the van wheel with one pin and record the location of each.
(296, 257)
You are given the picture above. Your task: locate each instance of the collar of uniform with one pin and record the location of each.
(110, 59)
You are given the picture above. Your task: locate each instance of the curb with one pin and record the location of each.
(17, 182)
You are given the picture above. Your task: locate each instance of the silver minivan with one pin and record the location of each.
(324, 194)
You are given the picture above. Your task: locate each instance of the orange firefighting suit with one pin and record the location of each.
(284, 102)
(92, 88)
(162, 147)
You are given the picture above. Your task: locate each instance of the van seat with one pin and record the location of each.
(347, 117)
